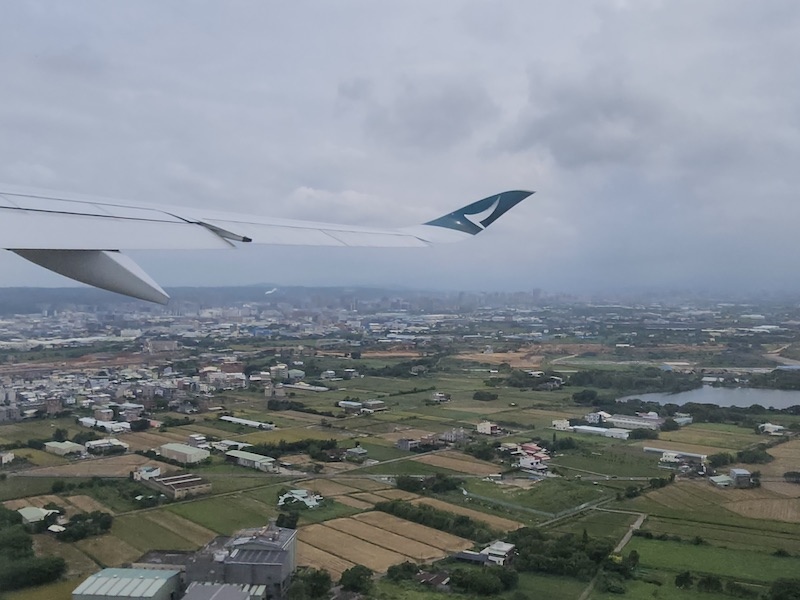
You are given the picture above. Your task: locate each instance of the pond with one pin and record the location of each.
(741, 397)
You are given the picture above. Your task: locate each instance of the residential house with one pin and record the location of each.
(488, 428)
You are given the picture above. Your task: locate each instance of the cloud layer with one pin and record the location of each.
(662, 138)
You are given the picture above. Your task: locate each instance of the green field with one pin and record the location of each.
(745, 565)
(145, 535)
(226, 514)
(596, 523)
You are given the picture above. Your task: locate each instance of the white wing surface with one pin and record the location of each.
(81, 238)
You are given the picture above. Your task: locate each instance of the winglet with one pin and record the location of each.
(476, 217)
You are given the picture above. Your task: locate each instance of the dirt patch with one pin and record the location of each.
(493, 521)
(527, 358)
(114, 466)
(381, 537)
(414, 531)
(349, 547)
(309, 556)
(353, 502)
(461, 466)
(88, 504)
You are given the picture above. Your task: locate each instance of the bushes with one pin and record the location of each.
(484, 582)
(484, 396)
(18, 566)
(437, 484)
(86, 525)
(569, 555)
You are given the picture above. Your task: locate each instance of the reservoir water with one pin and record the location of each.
(742, 397)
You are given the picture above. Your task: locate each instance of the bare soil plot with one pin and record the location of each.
(114, 466)
(368, 497)
(396, 494)
(108, 550)
(787, 458)
(197, 534)
(776, 509)
(522, 359)
(327, 487)
(88, 504)
(309, 556)
(493, 521)
(145, 440)
(413, 434)
(353, 502)
(386, 539)
(414, 531)
(461, 466)
(350, 548)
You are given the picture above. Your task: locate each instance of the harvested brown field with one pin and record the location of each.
(413, 434)
(396, 494)
(790, 490)
(309, 556)
(783, 509)
(493, 521)
(349, 548)
(353, 502)
(108, 550)
(414, 531)
(386, 539)
(113, 466)
(327, 487)
(364, 483)
(461, 466)
(197, 534)
(88, 504)
(368, 497)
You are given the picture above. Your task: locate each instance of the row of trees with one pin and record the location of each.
(435, 484)
(85, 525)
(459, 525)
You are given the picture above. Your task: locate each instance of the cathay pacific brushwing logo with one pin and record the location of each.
(477, 218)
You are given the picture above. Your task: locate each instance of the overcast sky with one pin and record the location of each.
(661, 138)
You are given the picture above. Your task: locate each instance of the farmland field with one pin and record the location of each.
(114, 466)
(426, 535)
(380, 537)
(310, 556)
(350, 548)
(108, 550)
(681, 556)
(40, 458)
(87, 504)
(493, 521)
(353, 502)
(225, 514)
(196, 534)
(145, 534)
(449, 461)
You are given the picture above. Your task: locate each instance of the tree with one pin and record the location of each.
(318, 582)
(785, 589)
(288, 520)
(357, 579)
(710, 584)
(60, 435)
(684, 580)
(297, 590)
(670, 425)
(403, 571)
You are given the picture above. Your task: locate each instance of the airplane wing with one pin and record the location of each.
(82, 238)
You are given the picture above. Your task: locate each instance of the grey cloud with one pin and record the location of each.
(430, 115)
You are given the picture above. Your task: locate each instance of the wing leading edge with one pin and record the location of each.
(82, 238)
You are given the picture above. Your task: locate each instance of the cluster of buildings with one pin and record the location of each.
(433, 440)
(253, 564)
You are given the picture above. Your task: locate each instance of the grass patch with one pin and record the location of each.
(682, 556)
(225, 514)
(143, 534)
(60, 590)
